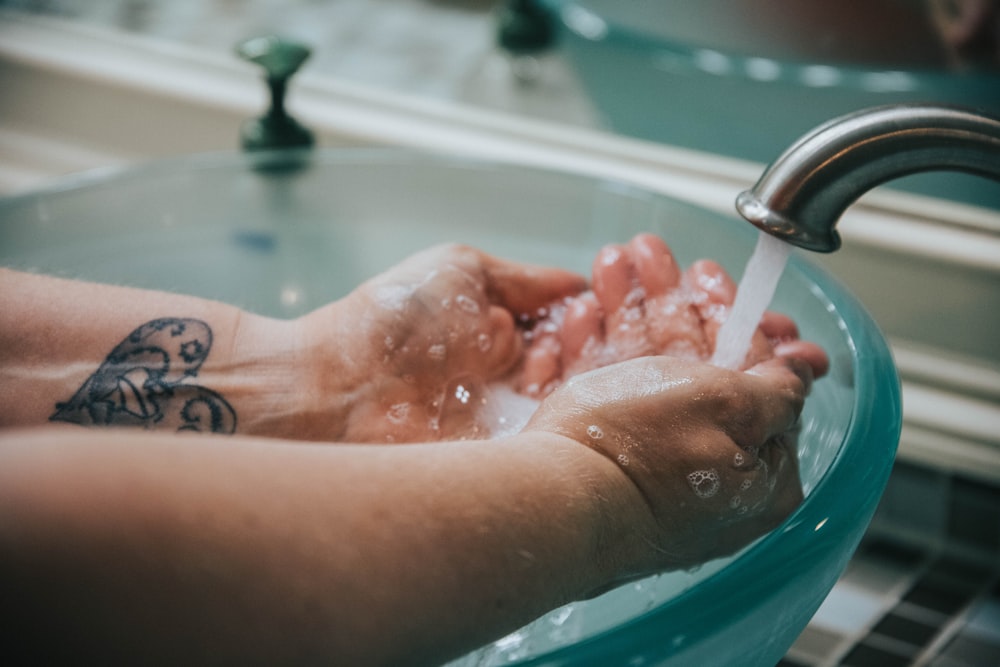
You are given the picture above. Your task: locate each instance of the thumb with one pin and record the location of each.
(524, 288)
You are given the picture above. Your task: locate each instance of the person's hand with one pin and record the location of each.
(415, 346)
(642, 304)
(703, 460)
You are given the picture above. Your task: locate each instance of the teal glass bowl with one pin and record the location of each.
(744, 78)
(281, 234)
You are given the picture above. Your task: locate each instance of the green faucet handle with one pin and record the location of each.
(524, 27)
(280, 59)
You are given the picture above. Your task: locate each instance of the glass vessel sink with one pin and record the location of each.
(283, 233)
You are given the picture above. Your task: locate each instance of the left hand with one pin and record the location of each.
(414, 347)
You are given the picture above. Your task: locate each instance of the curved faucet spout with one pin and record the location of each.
(802, 195)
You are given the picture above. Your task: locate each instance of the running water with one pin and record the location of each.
(760, 278)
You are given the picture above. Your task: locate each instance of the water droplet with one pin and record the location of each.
(437, 352)
(631, 314)
(560, 616)
(467, 304)
(511, 641)
(398, 412)
(595, 432)
(705, 483)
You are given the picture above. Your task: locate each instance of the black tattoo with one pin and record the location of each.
(145, 381)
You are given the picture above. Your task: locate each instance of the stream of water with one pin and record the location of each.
(756, 288)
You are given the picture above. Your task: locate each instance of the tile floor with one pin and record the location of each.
(916, 594)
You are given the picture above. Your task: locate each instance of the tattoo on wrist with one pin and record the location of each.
(147, 381)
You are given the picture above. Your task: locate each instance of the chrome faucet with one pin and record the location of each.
(801, 196)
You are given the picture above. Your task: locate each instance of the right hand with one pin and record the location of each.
(705, 457)
(643, 304)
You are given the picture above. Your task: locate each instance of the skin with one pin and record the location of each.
(643, 303)
(130, 545)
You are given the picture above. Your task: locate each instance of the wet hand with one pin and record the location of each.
(420, 342)
(703, 459)
(642, 304)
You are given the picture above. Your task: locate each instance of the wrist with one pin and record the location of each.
(622, 545)
(281, 380)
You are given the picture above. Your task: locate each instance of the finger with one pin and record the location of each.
(614, 277)
(766, 493)
(500, 344)
(541, 366)
(524, 288)
(655, 266)
(711, 282)
(810, 353)
(778, 327)
(582, 323)
(774, 396)
(714, 292)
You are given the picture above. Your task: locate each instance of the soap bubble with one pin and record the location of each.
(705, 483)
(467, 304)
(595, 432)
(398, 412)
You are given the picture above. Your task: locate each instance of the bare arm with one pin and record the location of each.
(88, 354)
(131, 546)
(125, 545)
(75, 352)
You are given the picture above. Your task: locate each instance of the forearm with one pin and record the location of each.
(102, 355)
(134, 546)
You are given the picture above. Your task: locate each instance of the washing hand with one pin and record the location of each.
(416, 344)
(641, 303)
(705, 458)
